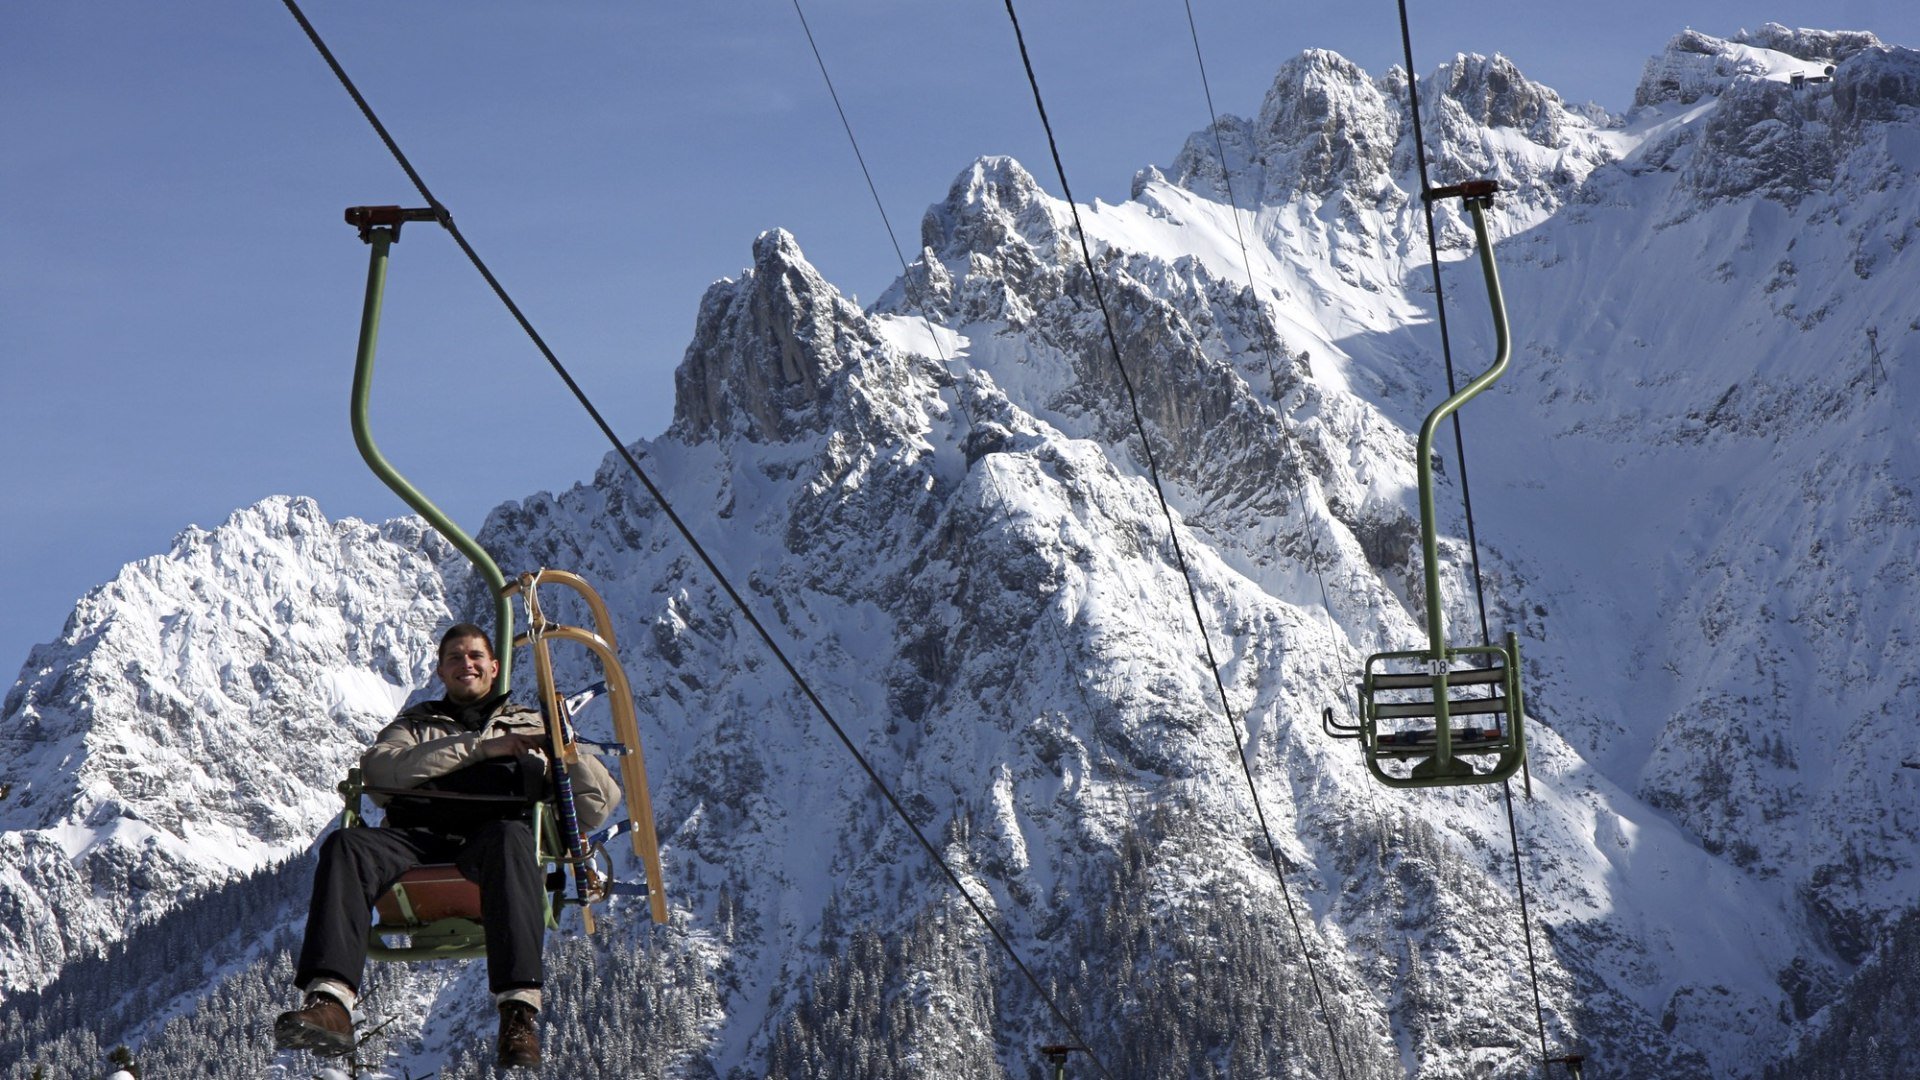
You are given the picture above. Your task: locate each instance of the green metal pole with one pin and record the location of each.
(381, 239)
(1429, 539)
(1429, 542)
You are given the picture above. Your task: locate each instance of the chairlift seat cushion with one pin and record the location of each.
(433, 892)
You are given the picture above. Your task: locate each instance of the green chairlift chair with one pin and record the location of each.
(1447, 714)
(433, 912)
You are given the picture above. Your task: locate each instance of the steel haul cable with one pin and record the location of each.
(1180, 558)
(1466, 498)
(660, 500)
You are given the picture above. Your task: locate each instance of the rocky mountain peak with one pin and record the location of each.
(765, 348)
(992, 202)
(1326, 125)
(1327, 131)
(1483, 118)
(1695, 65)
(1783, 120)
(1490, 92)
(993, 247)
(1692, 66)
(1323, 127)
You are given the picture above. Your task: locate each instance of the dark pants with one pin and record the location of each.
(357, 865)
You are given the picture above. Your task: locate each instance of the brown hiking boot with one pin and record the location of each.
(519, 1038)
(324, 1026)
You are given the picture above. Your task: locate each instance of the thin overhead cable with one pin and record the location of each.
(1466, 498)
(1246, 260)
(660, 500)
(906, 275)
(1180, 558)
(847, 126)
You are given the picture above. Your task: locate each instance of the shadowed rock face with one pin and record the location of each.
(1876, 86)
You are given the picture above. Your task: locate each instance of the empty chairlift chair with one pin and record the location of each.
(1445, 715)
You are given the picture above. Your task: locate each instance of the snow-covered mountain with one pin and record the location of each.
(1695, 503)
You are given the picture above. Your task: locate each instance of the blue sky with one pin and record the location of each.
(179, 297)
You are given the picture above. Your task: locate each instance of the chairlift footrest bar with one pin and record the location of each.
(600, 838)
(1337, 729)
(1463, 739)
(577, 701)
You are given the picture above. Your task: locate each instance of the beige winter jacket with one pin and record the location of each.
(435, 738)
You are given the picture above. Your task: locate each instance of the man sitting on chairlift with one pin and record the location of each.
(471, 741)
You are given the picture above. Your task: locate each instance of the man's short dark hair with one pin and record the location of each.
(461, 632)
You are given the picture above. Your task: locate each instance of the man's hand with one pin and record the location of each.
(513, 744)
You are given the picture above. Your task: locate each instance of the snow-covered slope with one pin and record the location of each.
(1694, 500)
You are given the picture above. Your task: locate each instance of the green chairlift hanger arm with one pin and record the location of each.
(1478, 195)
(380, 227)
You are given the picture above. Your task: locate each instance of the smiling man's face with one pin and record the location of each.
(468, 669)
